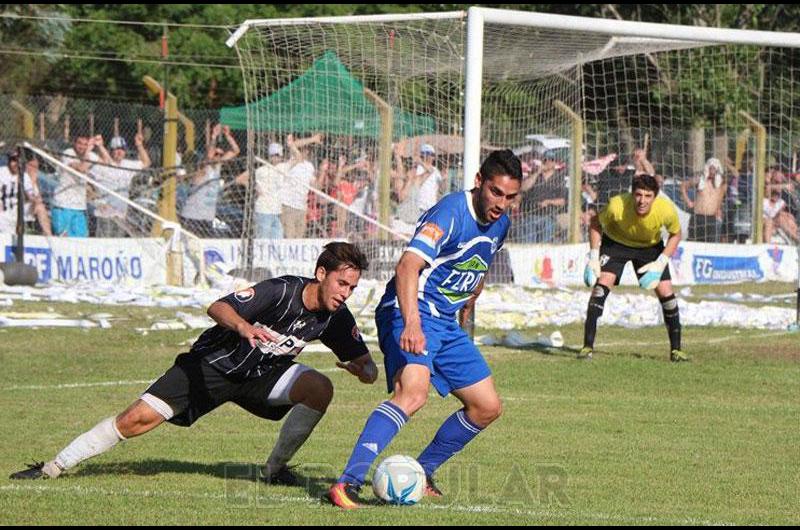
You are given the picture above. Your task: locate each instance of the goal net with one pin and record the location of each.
(587, 105)
(174, 256)
(367, 112)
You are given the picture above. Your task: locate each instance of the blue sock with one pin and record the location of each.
(382, 425)
(456, 432)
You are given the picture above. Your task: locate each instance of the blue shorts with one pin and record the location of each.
(452, 358)
(71, 223)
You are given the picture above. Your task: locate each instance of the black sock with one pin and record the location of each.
(595, 310)
(672, 319)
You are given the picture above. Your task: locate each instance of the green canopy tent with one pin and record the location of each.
(326, 99)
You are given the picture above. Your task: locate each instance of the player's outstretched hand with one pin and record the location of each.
(366, 372)
(652, 272)
(592, 271)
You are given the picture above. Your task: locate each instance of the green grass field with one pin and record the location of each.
(625, 439)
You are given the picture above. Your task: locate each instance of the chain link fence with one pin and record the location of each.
(346, 170)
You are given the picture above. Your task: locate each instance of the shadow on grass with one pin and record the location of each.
(315, 479)
(571, 352)
(563, 351)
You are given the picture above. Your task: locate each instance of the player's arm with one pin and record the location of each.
(344, 339)
(362, 367)
(227, 317)
(227, 312)
(672, 244)
(595, 233)
(407, 279)
(673, 225)
(592, 271)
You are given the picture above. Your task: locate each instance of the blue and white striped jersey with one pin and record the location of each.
(458, 250)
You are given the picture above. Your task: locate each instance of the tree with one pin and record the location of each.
(18, 69)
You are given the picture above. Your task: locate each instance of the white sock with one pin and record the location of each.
(98, 440)
(295, 431)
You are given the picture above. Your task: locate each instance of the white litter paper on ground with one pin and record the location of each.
(502, 307)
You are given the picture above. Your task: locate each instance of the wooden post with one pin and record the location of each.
(385, 160)
(760, 176)
(576, 171)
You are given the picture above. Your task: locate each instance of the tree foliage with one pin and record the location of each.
(77, 58)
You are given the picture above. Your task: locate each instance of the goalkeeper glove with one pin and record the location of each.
(592, 271)
(652, 272)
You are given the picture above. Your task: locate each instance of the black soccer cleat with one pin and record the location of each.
(33, 472)
(430, 488)
(282, 477)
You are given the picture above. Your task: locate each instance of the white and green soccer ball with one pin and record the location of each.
(399, 480)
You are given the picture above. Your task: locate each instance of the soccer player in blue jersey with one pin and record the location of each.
(442, 269)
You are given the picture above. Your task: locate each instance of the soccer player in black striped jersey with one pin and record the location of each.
(248, 359)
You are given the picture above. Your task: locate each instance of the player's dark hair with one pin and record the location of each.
(503, 162)
(645, 182)
(338, 254)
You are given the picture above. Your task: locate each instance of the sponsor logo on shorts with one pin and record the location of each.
(245, 295)
(430, 234)
(604, 259)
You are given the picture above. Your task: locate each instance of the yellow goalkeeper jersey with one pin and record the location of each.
(621, 223)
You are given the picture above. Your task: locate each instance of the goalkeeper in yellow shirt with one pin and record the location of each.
(629, 228)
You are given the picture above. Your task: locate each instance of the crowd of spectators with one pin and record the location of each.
(318, 186)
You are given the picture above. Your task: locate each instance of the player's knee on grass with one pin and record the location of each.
(138, 419)
(312, 389)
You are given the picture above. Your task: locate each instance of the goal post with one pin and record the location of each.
(590, 54)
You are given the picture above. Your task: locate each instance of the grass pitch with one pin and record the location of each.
(627, 438)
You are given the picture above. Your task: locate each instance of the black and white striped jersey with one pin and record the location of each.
(277, 304)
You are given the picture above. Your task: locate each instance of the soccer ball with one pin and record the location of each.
(399, 480)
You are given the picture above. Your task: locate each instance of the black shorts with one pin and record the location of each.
(192, 388)
(614, 256)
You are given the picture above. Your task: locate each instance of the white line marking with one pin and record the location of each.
(67, 386)
(75, 385)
